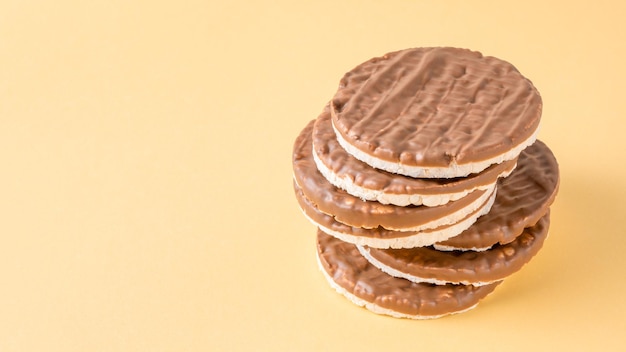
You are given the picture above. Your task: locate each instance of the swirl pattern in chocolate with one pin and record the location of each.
(435, 107)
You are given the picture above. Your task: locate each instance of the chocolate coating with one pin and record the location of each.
(345, 165)
(435, 107)
(522, 199)
(329, 222)
(353, 211)
(351, 271)
(467, 266)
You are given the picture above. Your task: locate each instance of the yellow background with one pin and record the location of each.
(145, 186)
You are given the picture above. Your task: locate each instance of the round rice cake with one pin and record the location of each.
(523, 198)
(435, 112)
(361, 180)
(350, 274)
(429, 265)
(381, 238)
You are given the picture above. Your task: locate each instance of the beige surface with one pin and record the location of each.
(146, 192)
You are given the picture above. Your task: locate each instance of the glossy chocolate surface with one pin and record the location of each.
(330, 223)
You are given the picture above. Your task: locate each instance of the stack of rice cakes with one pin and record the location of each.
(426, 181)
